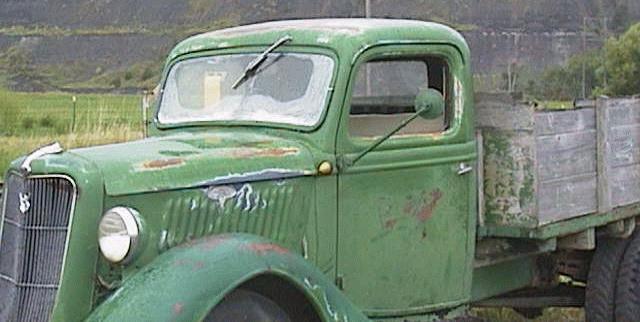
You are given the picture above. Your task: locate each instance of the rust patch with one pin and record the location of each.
(390, 223)
(426, 211)
(256, 144)
(163, 163)
(269, 152)
(211, 243)
(206, 243)
(178, 308)
(263, 248)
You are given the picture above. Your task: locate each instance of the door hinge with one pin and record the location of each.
(340, 282)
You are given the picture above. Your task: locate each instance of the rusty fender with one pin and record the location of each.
(187, 281)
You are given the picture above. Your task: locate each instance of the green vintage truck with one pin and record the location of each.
(329, 170)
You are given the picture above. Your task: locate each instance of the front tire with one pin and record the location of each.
(247, 306)
(628, 286)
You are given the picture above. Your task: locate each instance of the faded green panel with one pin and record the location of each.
(279, 210)
(503, 277)
(184, 283)
(509, 178)
(404, 230)
(323, 227)
(198, 159)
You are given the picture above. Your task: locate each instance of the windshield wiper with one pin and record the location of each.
(253, 66)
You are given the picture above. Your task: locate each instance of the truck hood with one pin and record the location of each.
(197, 159)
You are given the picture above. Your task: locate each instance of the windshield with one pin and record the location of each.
(288, 88)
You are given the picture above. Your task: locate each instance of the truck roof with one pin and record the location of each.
(347, 36)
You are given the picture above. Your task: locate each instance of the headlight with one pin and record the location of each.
(118, 233)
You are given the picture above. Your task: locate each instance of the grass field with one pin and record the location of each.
(29, 120)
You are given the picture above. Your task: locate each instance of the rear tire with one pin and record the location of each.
(628, 286)
(600, 294)
(247, 306)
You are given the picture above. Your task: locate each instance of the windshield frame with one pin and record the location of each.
(251, 50)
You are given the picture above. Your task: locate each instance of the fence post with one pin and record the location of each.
(73, 119)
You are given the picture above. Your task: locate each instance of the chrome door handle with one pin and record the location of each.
(464, 168)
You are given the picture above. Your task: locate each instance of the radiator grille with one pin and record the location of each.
(32, 245)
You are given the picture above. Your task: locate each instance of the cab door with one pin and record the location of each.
(406, 210)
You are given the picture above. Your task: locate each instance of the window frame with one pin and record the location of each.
(447, 89)
(249, 49)
(456, 73)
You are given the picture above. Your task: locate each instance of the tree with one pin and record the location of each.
(623, 63)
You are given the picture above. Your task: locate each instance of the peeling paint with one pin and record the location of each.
(390, 223)
(262, 175)
(161, 164)
(423, 211)
(177, 308)
(316, 289)
(270, 152)
(221, 194)
(259, 208)
(427, 210)
(249, 201)
(263, 248)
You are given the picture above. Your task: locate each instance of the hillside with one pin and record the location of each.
(118, 43)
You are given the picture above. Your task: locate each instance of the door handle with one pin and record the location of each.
(464, 168)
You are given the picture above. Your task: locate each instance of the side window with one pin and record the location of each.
(385, 91)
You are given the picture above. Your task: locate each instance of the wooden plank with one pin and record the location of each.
(623, 111)
(566, 198)
(499, 111)
(566, 141)
(556, 122)
(584, 240)
(566, 155)
(625, 185)
(566, 164)
(623, 145)
(603, 167)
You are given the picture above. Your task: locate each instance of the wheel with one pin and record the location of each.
(628, 286)
(247, 306)
(601, 282)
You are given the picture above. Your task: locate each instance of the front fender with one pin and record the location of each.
(184, 283)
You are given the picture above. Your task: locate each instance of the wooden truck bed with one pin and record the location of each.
(552, 173)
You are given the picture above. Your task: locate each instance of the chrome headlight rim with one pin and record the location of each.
(131, 219)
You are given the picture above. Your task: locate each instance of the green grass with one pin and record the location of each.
(29, 120)
(509, 315)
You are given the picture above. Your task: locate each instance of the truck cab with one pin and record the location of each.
(305, 170)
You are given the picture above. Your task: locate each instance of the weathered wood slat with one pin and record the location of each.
(566, 164)
(499, 111)
(566, 141)
(603, 167)
(565, 121)
(625, 185)
(623, 145)
(622, 111)
(566, 155)
(542, 167)
(569, 197)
